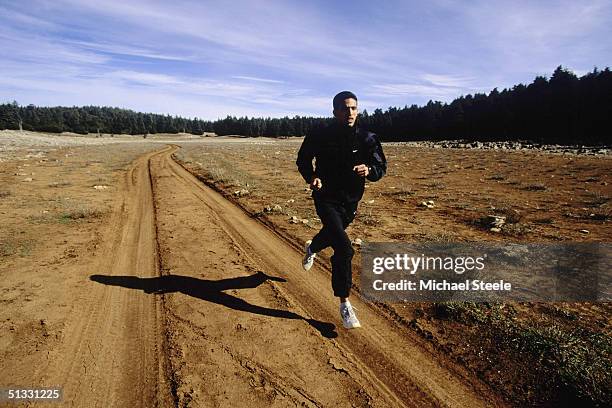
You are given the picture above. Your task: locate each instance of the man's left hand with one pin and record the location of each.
(362, 170)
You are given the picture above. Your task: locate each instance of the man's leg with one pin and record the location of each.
(335, 219)
(349, 319)
(321, 240)
(345, 279)
(318, 243)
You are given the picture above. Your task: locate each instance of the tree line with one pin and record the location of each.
(95, 119)
(564, 109)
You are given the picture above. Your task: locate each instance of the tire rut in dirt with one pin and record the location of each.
(234, 338)
(379, 354)
(113, 354)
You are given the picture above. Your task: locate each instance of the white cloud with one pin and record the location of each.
(536, 36)
(250, 78)
(126, 50)
(12, 16)
(283, 57)
(30, 47)
(402, 89)
(451, 81)
(144, 78)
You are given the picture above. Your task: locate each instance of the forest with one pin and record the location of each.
(565, 109)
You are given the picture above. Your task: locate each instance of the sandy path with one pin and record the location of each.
(112, 355)
(378, 358)
(193, 303)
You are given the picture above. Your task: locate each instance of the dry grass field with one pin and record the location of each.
(535, 353)
(127, 281)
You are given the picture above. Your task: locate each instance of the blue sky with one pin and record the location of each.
(275, 58)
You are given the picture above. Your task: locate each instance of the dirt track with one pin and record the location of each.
(177, 297)
(113, 354)
(231, 319)
(127, 281)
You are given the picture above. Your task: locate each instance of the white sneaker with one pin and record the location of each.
(349, 320)
(309, 257)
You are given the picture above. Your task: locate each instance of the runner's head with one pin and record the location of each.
(345, 108)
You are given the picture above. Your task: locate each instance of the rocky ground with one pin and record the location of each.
(513, 145)
(126, 281)
(458, 195)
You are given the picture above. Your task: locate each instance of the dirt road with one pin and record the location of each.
(127, 281)
(191, 302)
(113, 354)
(243, 323)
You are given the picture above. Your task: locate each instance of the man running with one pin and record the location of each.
(345, 156)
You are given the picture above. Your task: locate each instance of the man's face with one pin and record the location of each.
(346, 114)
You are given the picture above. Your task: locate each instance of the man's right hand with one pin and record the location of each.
(316, 184)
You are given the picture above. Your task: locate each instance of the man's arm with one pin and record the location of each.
(304, 159)
(377, 164)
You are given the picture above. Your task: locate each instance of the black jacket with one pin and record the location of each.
(336, 150)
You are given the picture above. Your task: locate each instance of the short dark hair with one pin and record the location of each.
(338, 99)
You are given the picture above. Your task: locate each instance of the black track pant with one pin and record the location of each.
(335, 218)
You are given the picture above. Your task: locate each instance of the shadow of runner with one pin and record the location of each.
(213, 291)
